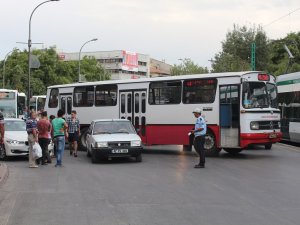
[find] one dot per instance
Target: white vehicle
(37, 103)
(240, 108)
(12, 103)
(289, 103)
(112, 138)
(16, 139)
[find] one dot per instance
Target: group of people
(57, 129)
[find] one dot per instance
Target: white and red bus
(37, 103)
(240, 108)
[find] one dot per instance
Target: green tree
(52, 71)
(236, 50)
(187, 67)
(279, 61)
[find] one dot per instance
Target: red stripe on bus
(259, 138)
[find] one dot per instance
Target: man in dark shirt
(44, 127)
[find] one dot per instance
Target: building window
(199, 91)
(53, 98)
(165, 92)
(84, 96)
(106, 95)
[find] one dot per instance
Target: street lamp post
(29, 48)
(94, 39)
(5, 58)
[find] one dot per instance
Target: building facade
(124, 64)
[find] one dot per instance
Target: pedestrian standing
(2, 129)
(199, 140)
(31, 127)
(74, 132)
(52, 117)
(59, 127)
(44, 127)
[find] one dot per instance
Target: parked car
(109, 138)
(15, 139)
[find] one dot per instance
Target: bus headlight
(279, 125)
(135, 143)
(101, 144)
(254, 125)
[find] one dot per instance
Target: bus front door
(229, 116)
(133, 108)
(66, 104)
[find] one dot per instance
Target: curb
(3, 173)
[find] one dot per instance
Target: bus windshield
(255, 95)
(8, 108)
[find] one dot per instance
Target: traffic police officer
(199, 133)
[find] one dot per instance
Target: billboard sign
(130, 61)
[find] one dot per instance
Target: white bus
(289, 103)
(240, 107)
(37, 103)
(12, 103)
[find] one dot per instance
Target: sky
(164, 29)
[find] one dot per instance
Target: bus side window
(53, 98)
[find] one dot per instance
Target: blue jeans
(60, 147)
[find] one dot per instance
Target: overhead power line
(274, 21)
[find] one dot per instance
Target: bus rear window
(199, 91)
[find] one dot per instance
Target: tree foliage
(187, 67)
(236, 50)
(51, 72)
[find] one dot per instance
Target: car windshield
(11, 125)
(255, 95)
(112, 127)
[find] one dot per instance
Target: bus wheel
(268, 146)
(82, 140)
(210, 145)
(232, 151)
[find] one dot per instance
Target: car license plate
(273, 136)
(119, 151)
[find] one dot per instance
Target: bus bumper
(259, 138)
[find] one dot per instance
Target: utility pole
(253, 56)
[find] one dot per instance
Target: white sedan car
(109, 138)
(15, 139)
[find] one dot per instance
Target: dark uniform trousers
(199, 147)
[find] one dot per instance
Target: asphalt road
(257, 187)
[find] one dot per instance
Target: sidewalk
(3, 173)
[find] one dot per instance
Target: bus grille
(269, 125)
(118, 144)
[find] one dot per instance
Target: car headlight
(101, 144)
(254, 125)
(135, 143)
(12, 142)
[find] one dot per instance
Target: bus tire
(82, 140)
(232, 151)
(268, 146)
(210, 145)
